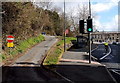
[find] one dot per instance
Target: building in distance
(109, 37)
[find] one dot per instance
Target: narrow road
(34, 55)
(27, 68)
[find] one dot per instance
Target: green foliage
(24, 45)
(23, 20)
(2, 57)
(56, 52)
(25, 23)
(55, 21)
(29, 42)
(68, 39)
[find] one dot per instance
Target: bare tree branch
(45, 5)
(83, 11)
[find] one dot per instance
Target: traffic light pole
(89, 34)
(89, 29)
(89, 47)
(89, 8)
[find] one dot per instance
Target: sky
(106, 12)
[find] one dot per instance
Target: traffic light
(89, 25)
(81, 26)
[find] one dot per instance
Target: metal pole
(10, 52)
(89, 47)
(64, 28)
(89, 35)
(89, 8)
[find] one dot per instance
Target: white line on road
(106, 54)
(116, 72)
(64, 77)
(92, 55)
(94, 49)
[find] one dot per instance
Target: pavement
(79, 54)
(74, 66)
(78, 57)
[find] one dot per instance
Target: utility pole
(64, 28)
(89, 9)
(89, 34)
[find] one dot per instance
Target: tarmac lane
(82, 72)
(112, 62)
(28, 68)
(113, 59)
(75, 67)
(22, 74)
(99, 52)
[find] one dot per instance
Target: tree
(83, 11)
(57, 9)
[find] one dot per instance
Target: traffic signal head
(81, 26)
(89, 25)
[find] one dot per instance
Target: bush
(2, 57)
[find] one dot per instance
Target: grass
(56, 52)
(28, 43)
(2, 56)
(22, 47)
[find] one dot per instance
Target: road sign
(10, 38)
(10, 44)
(66, 31)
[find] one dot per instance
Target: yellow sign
(106, 44)
(10, 44)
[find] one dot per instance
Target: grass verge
(56, 51)
(21, 47)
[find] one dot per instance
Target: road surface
(112, 61)
(100, 52)
(74, 67)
